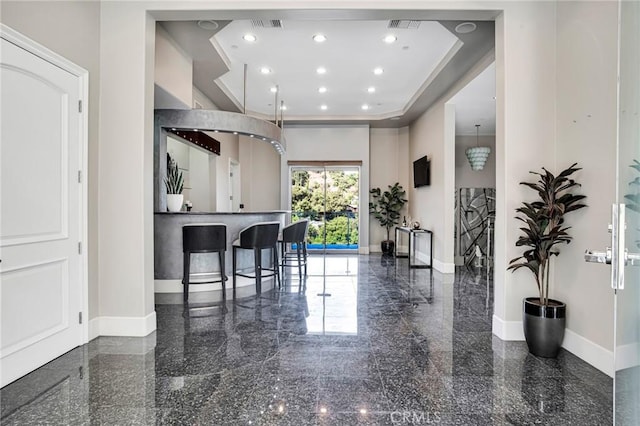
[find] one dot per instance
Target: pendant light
(477, 155)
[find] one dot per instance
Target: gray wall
(467, 178)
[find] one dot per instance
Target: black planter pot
(387, 247)
(544, 326)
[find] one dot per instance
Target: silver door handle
(617, 256)
(631, 259)
(598, 256)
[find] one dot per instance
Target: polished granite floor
(368, 341)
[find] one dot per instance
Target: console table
(414, 234)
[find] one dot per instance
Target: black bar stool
(203, 238)
(257, 237)
(296, 233)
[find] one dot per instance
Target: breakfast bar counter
(168, 243)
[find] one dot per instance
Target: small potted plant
(174, 184)
(543, 231)
(386, 208)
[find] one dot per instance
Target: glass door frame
(626, 281)
(327, 166)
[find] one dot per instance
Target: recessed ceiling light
(195, 130)
(249, 37)
(322, 89)
(283, 107)
(215, 131)
(365, 107)
(235, 133)
(321, 70)
(251, 136)
(378, 71)
(174, 129)
(371, 89)
(264, 139)
(273, 89)
(465, 28)
(265, 70)
(390, 39)
(208, 25)
(323, 107)
(319, 38)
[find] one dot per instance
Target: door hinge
(80, 247)
(231, 197)
(79, 176)
(79, 106)
(79, 317)
(231, 174)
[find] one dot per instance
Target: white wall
(173, 67)
(433, 135)
(126, 169)
(260, 177)
(467, 178)
(330, 143)
(525, 139)
(586, 126)
(71, 29)
(202, 100)
(388, 159)
(229, 149)
(200, 192)
(426, 137)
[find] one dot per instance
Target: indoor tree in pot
(386, 208)
(174, 184)
(544, 318)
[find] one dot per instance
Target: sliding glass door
(328, 196)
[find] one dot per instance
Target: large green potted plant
(174, 184)
(542, 233)
(385, 206)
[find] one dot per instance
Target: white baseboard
(445, 268)
(507, 330)
(588, 351)
(94, 328)
(175, 286)
(627, 356)
(585, 349)
(122, 326)
(363, 250)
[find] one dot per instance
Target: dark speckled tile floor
(384, 345)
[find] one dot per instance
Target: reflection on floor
(367, 342)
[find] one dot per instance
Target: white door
(41, 274)
(235, 198)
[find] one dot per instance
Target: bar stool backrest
(260, 235)
(204, 237)
(296, 232)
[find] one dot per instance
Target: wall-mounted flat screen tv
(421, 172)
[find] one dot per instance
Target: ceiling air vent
(266, 23)
(404, 24)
